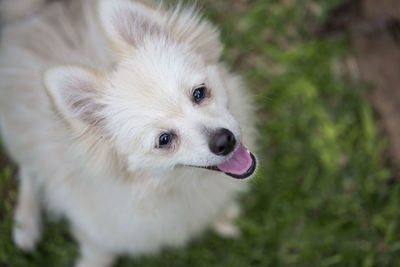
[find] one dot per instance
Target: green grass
(323, 196)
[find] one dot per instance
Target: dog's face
(165, 103)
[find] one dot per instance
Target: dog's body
(86, 148)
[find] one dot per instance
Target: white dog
(123, 121)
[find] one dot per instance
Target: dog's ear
(128, 23)
(76, 93)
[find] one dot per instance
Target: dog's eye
(165, 140)
(199, 93)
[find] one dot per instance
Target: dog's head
(166, 101)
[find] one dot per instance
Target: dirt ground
(374, 27)
(378, 56)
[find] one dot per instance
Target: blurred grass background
(324, 195)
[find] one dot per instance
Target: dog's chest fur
(143, 216)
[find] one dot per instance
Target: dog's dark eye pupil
(199, 94)
(165, 139)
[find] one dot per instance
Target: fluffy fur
(86, 88)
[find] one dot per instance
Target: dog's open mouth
(241, 165)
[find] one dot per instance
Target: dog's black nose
(222, 142)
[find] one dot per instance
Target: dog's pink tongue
(239, 163)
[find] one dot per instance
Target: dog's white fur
(116, 77)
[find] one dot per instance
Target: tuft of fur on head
(126, 24)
